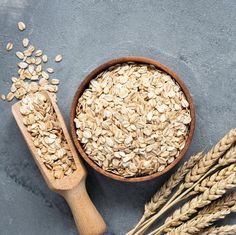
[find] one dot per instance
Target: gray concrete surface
(194, 38)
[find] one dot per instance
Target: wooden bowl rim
(84, 84)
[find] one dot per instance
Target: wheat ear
(195, 225)
(222, 230)
(204, 166)
(191, 207)
(228, 200)
(216, 177)
(199, 171)
(209, 159)
(228, 158)
(209, 214)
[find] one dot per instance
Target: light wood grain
(72, 187)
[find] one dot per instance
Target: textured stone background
(194, 38)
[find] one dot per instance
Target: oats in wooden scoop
(42, 123)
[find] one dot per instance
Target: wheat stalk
(191, 207)
(205, 164)
(198, 172)
(216, 177)
(209, 214)
(226, 159)
(222, 230)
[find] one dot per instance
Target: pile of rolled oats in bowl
(133, 120)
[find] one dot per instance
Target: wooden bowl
(85, 84)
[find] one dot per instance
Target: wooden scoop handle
(87, 218)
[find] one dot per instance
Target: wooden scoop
(71, 187)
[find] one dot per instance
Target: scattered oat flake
(20, 55)
(27, 52)
(30, 75)
(10, 96)
(58, 58)
(45, 75)
(38, 53)
(13, 79)
(22, 65)
(50, 70)
(3, 97)
(9, 46)
(38, 68)
(25, 42)
(31, 69)
(55, 81)
(44, 58)
(31, 48)
(21, 26)
(38, 61)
